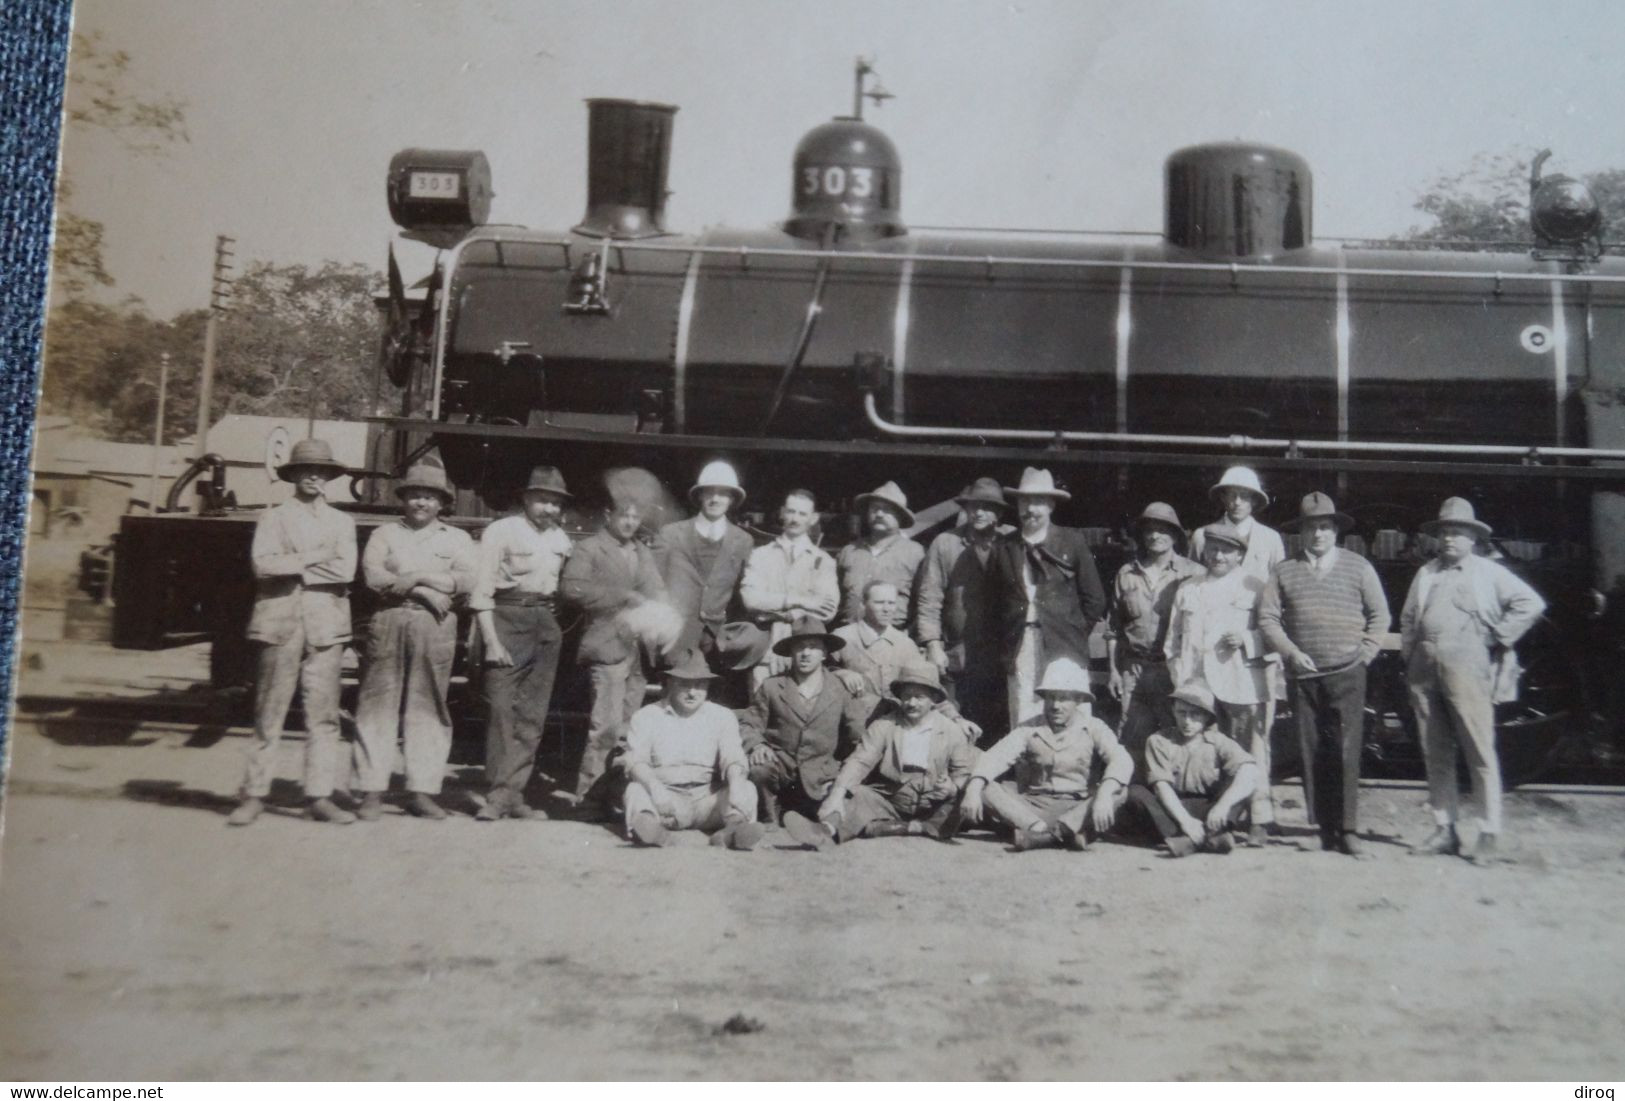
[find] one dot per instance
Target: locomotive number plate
(434, 185)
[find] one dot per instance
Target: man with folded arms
(686, 766)
(1053, 757)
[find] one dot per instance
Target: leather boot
(496, 806)
(1443, 841)
(325, 810)
(887, 829)
(372, 806)
(246, 811)
(424, 806)
(1029, 839)
(1483, 848)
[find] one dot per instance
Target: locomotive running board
(1055, 451)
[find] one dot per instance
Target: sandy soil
(142, 939)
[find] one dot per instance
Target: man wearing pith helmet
(1462, 616)
(418, 566)
(1240, 498)
(515, 602)
(883, 554)
(1142, 602)
(304, 558)
(1054, 801)
(1325, 613)
(702, 558)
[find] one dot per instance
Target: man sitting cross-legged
(800, 724)
(1199, 780)
(920, 759)
(1053, 757)
(686, 765)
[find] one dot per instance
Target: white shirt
(1027, 581)
(914, 746)
(1324, 563)
(711, 530)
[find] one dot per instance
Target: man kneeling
(921, 760)
(1200, 781)
(1053, 758)
(686, 765)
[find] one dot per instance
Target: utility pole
(219, 303)
(158, 430)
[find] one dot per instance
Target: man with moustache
(1324, 612)
(417, 566)
(789, 578)
(955, 620)
(1045, 590)
(701, 559)
(883, 554)
(304, 558)
(515, 604)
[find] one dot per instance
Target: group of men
(957, 665)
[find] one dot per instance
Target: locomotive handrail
(744, 254)
(1233, 443)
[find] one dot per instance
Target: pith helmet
(1318, 506)
(718, 475)
(311, 452)
(1241, 477)
(424, 476)
(1225, 532)
(1457, 510)
(888, 494)
(1066, 675)
(1037, 483)
(807, 626)
(983, 491)
(1159, 513)
(548, 478)
(1196, 694)
(690, 665)
(920, 673)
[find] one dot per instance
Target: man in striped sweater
(1324, 611)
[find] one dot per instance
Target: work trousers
(867, 805)
(699, 809)
(315, 670)
(617, 693)
(403, 697)
(1163, 823)
(1246, 724)
(1147, 708)
(779, 788)
(1450, 693)
(1024, 810)
(1022, 686)
(1330, 712)
(978, 690)
(517, 696)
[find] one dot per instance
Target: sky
(1017, 113)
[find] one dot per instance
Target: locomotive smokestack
(1238, 201)
(628, 154)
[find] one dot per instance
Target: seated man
(1200, 781)
(921, 760)
(800, 724)
(1053, 756)
(686, 765)
(874, 648)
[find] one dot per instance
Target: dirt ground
(141, 939)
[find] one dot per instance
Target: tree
(1488, 202)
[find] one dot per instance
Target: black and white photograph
(896, 541)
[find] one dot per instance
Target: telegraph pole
(219, 303)
(158, 430)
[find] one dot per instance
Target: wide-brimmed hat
(1318, 506)
(548, 478)
(1037, 483)
(807, 626)
(311, 452)
(1159, 513)
(1241, 477)
(690, 665)
(983, 491)
(741, 645)
(1196, 694)
(718, 475)
(424, 476)
(1224, 532)
(920, 673)
(890, 494)
(1457, 510)
(1066, 675)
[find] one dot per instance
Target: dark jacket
(815, 734)
(954, 603)
(708, 600)
(1069, 595)
(598, 580)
